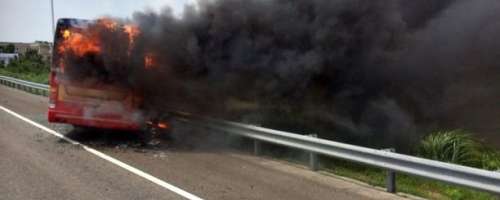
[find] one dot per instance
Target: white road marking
(115, 161)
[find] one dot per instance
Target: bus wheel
(84, 129)
(152, 136)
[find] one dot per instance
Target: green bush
(29, 66)
(459, 147)
(455, 146)
(489, 159)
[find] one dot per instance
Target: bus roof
(73, 22)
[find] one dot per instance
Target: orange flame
(108, 23)
(66, 34)
(86, 41)
(149, 61)
(162, 125)
(79, 43)
(133, 32)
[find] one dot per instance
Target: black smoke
(378, 73)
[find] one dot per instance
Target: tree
(10, 48)
(32, 54)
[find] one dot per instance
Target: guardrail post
(257, 147)
(313, 157)
(391, 176)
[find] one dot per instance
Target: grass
(459, 147)
(456, 146)
(408, 184)
(30, 67)
(405, 183)
(489, 159)
(38, 77)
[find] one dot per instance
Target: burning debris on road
(386, 70)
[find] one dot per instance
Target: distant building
(43, 48)
(6, 58)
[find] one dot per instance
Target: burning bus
(82, 92)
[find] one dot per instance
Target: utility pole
(53, 29)
(52, 12)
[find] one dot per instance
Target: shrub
(29, 66)
(490, 159)
(455, 146)
(459, 147)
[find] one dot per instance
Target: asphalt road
(37, 165)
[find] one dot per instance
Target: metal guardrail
(31, 87)
(451, 173)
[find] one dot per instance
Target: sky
(30, 20)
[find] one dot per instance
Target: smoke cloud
(378, 73)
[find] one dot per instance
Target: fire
(149, 61)
(108, 23)
(66, 34)
(78, 43)
(84, 41)
(162, 125)
(133, 32)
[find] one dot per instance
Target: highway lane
(208, 171)
(36, 165)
